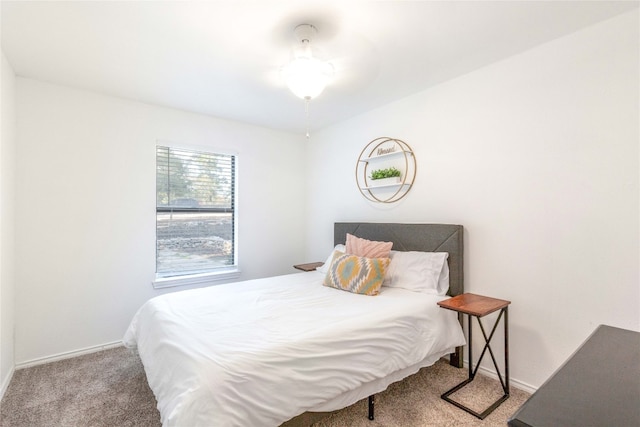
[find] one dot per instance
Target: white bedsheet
(260, 352)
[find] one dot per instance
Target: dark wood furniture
(310, 266)
(599, 385)
(479, 306)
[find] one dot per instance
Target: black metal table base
(481, 415)
(472, 372)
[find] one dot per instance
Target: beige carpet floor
(109, 389)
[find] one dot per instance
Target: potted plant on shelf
(387, 176)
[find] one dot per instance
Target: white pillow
(426, 272)
(325, 267)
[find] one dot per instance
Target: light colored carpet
(109, 389)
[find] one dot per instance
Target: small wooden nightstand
(310, 266)
(479, 306)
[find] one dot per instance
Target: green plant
(385, 173)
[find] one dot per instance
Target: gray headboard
(414, 237)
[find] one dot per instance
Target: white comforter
(260, 352)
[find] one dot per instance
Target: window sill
(196, 279)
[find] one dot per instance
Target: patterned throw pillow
(356, 274)
(367, 248)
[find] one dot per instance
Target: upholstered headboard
(414, 237)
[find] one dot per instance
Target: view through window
(195, 205)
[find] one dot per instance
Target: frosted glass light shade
(307, 76)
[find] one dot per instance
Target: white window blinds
(195, 206)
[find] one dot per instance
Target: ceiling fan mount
(304, 33)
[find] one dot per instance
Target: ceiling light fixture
(305, 75)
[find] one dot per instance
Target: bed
(277, 350)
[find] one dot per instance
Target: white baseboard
(67, 355)
(512, 382)
(5, 383)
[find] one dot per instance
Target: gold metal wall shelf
(382, 153)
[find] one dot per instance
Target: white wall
(7, 182)
(537, 156)
(85, 210)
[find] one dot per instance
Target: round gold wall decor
(379, 156)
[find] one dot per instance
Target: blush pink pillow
(367, 248)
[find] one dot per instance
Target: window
(195, 213)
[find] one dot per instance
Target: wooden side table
(310, 266)
(479, 306)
